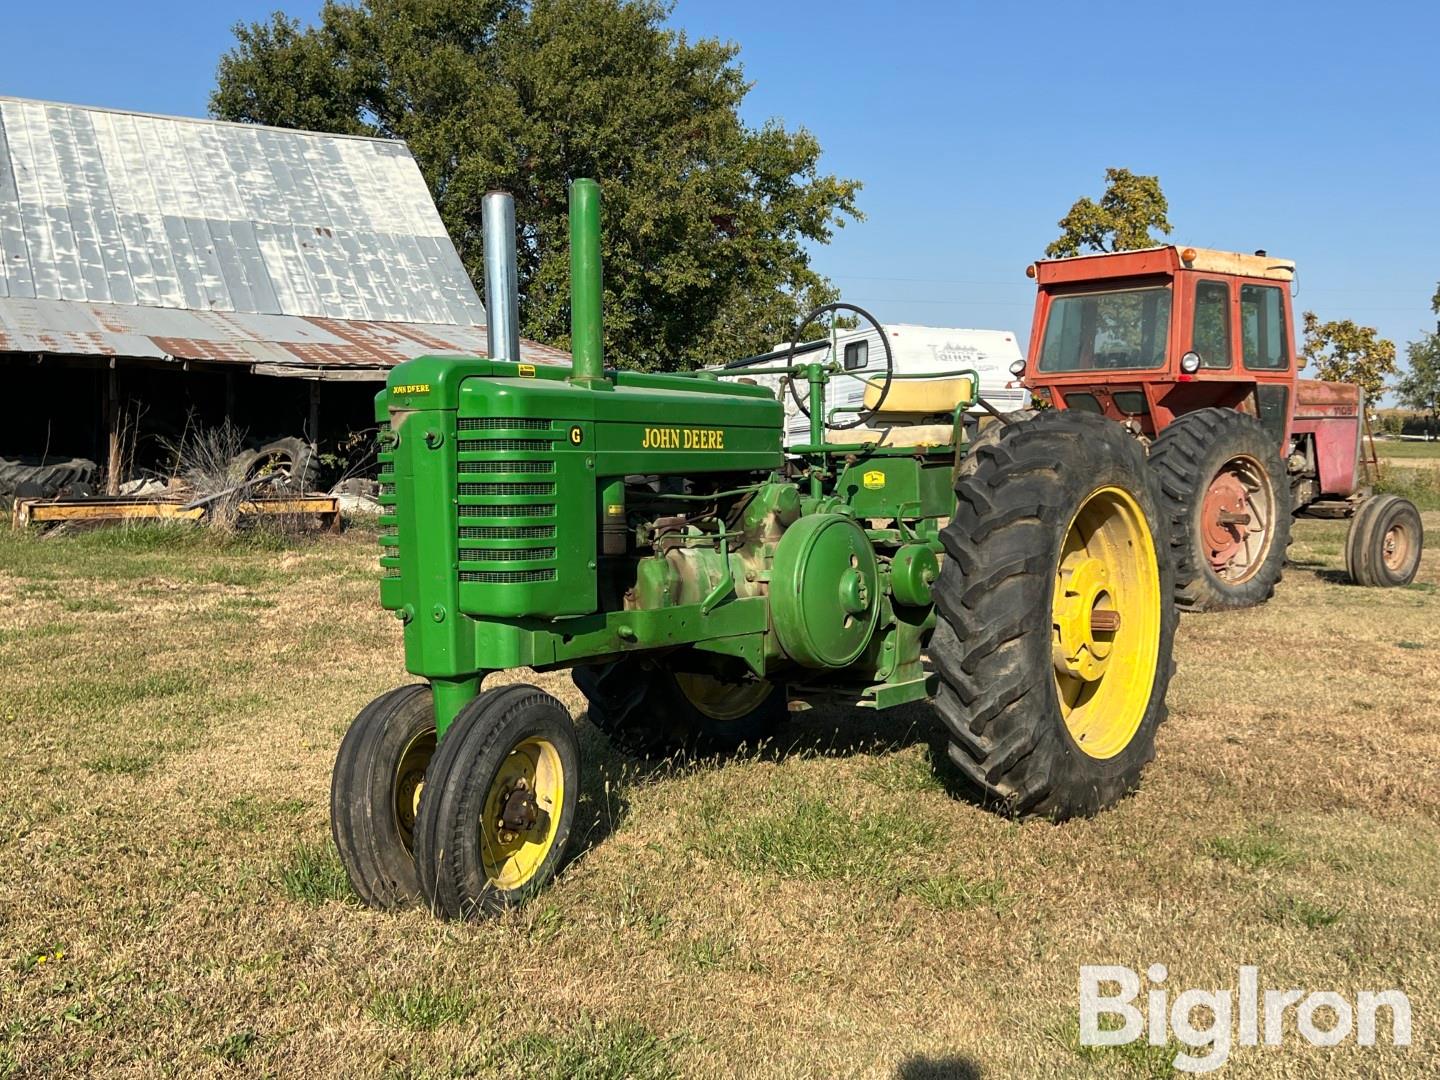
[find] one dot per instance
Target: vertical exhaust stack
(502, 282)
(587, 342)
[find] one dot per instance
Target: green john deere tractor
(649, 533)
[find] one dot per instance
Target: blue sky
(1306, 129)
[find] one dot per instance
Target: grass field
(1411, 469)
(170, 903)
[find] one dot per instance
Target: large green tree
(706, 220)
(1131, 206)
(1343, 351)
(1419, 388)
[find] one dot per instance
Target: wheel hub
(1084, 617)
(1225, 519)
(1395, 547)
(519, 813)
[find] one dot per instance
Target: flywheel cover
(824, 591)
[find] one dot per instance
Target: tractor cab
(1193, 350)
(1145, 336)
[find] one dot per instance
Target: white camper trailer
(915, 349)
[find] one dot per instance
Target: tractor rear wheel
(1382, 548)
(1054, 630)
(374, 792)
(1226, 498)
(650, 711)
(498, 803)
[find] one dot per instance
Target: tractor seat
(916, 412)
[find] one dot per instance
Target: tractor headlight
(1190, 362)
(1017, 368)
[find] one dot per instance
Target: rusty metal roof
(271, 344)
(124, 234)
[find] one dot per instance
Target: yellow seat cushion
(917, 399)
(901, 435)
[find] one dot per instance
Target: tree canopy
(706, 220)
(1419, 388)
(1343, 351)
(1131, 206)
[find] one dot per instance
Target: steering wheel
(863, 417)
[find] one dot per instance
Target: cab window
(1262, 326)
(1117, 328)
(1211, 338)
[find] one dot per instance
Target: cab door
(1267, 353)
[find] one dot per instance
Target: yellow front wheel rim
(410, 782)
(521, 813)
(1105, 618)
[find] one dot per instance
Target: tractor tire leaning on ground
(43, 481)
(1202, 459)
(373, 793)
(1383, 546)
(1052, 711)
(293, 458)
(498, 804)
(649, 711)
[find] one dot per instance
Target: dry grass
(170, 904)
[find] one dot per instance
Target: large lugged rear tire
(1054, 632)
(1383, 546)
(43, 480)
(649, 711)
(1217, 466)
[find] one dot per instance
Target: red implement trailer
(1194, 351)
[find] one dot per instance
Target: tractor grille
(507, 489)
(389, 526)
(507, 466)
(528, 510)
(502, 423)
(503, 515)
(504, 532)
(507, 577)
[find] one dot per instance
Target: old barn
(159, 272)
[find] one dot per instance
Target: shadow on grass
(951, 1067)
(830, 730)
(1320, 570)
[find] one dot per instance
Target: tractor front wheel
(498, 804)
(1055, 628)
(1226, 499)
(375, 790)
(1382, 548)
(651, 711)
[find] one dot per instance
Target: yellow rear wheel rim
(512, 857)
(1105, 618)
(721, 700)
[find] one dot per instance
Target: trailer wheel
(649, 711)
(1054, 627)
(1382, 548)
(1226, 497)
(375, 790)
(498, 803)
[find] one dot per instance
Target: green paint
(587, 338)
(510, 537)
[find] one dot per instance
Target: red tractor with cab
(1194, 351)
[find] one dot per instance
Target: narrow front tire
(499, 803)
(374, 791)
